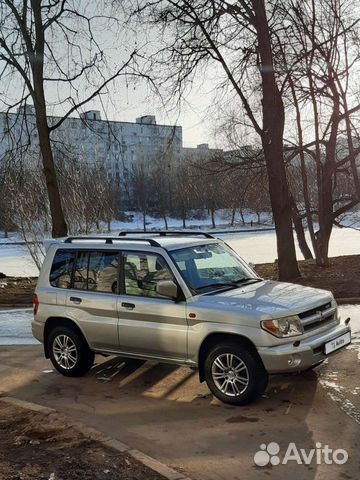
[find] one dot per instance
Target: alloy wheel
(65, 352)
(230, 374)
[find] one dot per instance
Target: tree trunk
(144, 221)
(258, 217)
(166, 222)
(242, 216)
(300, 233)
(304, 177)
(327, 170)
(213, 218)
(59, 227)
(272, 142)
(233, 217)
(325, 216)
(109, 226)
(184, 219)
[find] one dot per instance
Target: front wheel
(235, 373)
(69, 352)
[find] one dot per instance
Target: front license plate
(337, 343)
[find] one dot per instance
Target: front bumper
(288, 358)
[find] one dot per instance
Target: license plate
(337, 343)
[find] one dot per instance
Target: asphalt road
(165, 412)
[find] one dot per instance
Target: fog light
(294, 361)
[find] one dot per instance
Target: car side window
(142, 272)
(96, 271)
(61, 269)
(80, 271)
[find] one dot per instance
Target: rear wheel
(69, 352)
(235, 373)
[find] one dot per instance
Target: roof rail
(110, 240)
(165, 233)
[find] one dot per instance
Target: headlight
(283, 327)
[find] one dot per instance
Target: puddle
(338, 384)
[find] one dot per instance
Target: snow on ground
(260, 247)
(15, 261)
(256, 246)
(15, 327)
(222, 219)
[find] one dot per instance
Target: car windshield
(211, 267)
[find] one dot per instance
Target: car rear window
(61, 270)
(85, 270)
(96, 271)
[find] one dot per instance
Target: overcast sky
(123, 103)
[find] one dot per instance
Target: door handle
(127, 305)
(76, 300)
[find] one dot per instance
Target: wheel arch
(53, 322)
(216, 338)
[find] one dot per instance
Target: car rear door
(148, 323)
(92, 298)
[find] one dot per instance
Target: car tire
(69, 352)
(235, 373)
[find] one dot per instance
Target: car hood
(268, 298)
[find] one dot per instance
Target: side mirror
(167, 288)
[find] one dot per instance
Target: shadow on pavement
(164, 411)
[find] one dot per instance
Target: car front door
(149, 324)
(92, 299)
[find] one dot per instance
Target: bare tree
(141, 186)
(321, 55)
(185, 191)
(235, 39)
(162, 168)
(53, 46)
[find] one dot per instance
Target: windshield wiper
(229, 285)
(220, 285)
(248, 279)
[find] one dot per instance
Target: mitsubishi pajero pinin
(182, 298)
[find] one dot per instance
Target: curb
(96, 435)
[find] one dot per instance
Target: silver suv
(187, 299)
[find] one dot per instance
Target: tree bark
(300, 233)
(166, 222)
(144, 220)
(233, 212)
(304, 178)
(59, 227)
(184, 220)
(272, 142)
(213, 218)
(242, 217)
